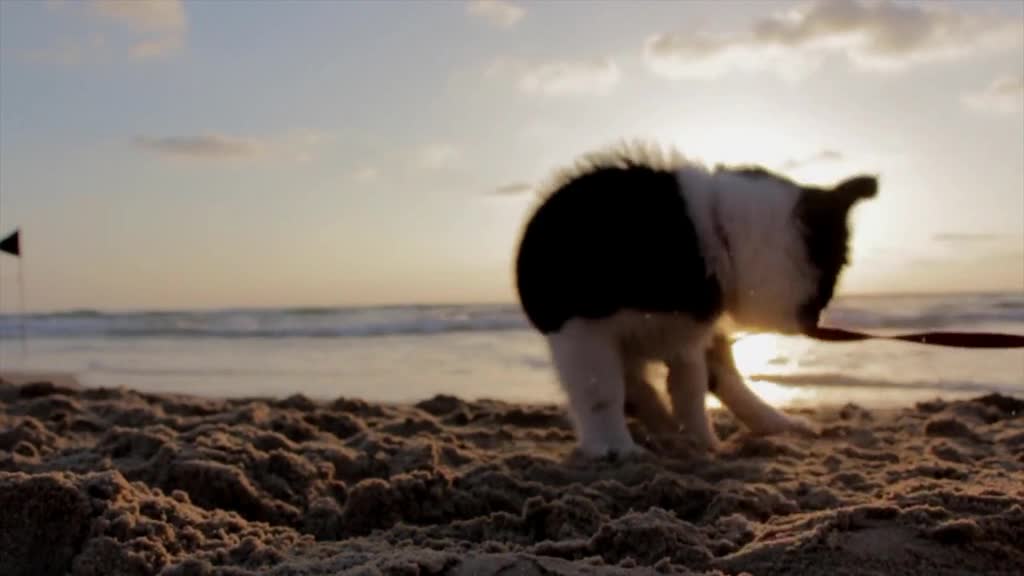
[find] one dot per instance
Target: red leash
(952, 339)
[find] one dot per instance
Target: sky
(202, 154)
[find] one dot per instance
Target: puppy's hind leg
(688, 387)
(728, 385)
(646, 404)
(589, 366)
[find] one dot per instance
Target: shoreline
(115, 481)
(21, 377)
(792, 392)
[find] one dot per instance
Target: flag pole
(11, 244)
(21, 303)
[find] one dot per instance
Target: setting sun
(756, 354)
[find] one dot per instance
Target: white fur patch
(763, 264)
(698, 189)
(591, 357)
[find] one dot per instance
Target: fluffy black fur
(610, 239)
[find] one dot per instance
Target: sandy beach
(112, 481)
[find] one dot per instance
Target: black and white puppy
(632, 260)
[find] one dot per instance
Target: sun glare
(733, 142)
(754, 353)
(760, 354)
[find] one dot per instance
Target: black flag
(12, 244)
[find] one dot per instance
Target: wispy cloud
(825, 155)
(569, 77)
(366, 174)
(882, 34)
(1004, 95)
(142, 29)
(145, 14)
(437, 156)
(513, 189)
(160, 24)
(295, 146)
(500, 13)
(205, 146)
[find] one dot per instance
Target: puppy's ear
(852, 190)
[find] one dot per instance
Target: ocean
(396, 354)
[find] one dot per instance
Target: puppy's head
(822, 218)
(787, 245)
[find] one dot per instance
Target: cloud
(880, 34)
(570, 77)
(206, 146)
(296, 146)
(439, 156)
(513, 189)
(366, 174)
(498, 12)
(154, 48)
(159, 15)
(825, 155)
(160, 24)
(1004, 95)
(143, 29)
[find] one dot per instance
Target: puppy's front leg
(728, 385)
(688, 386)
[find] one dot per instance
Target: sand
(114, 481)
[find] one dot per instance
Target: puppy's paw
(781, 423)
(620, 451)
(704, 441)
(711, 445)
(802, 426)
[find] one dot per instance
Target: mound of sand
(113, 481)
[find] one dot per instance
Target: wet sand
(114, 481)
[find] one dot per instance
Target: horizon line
(467, 303)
